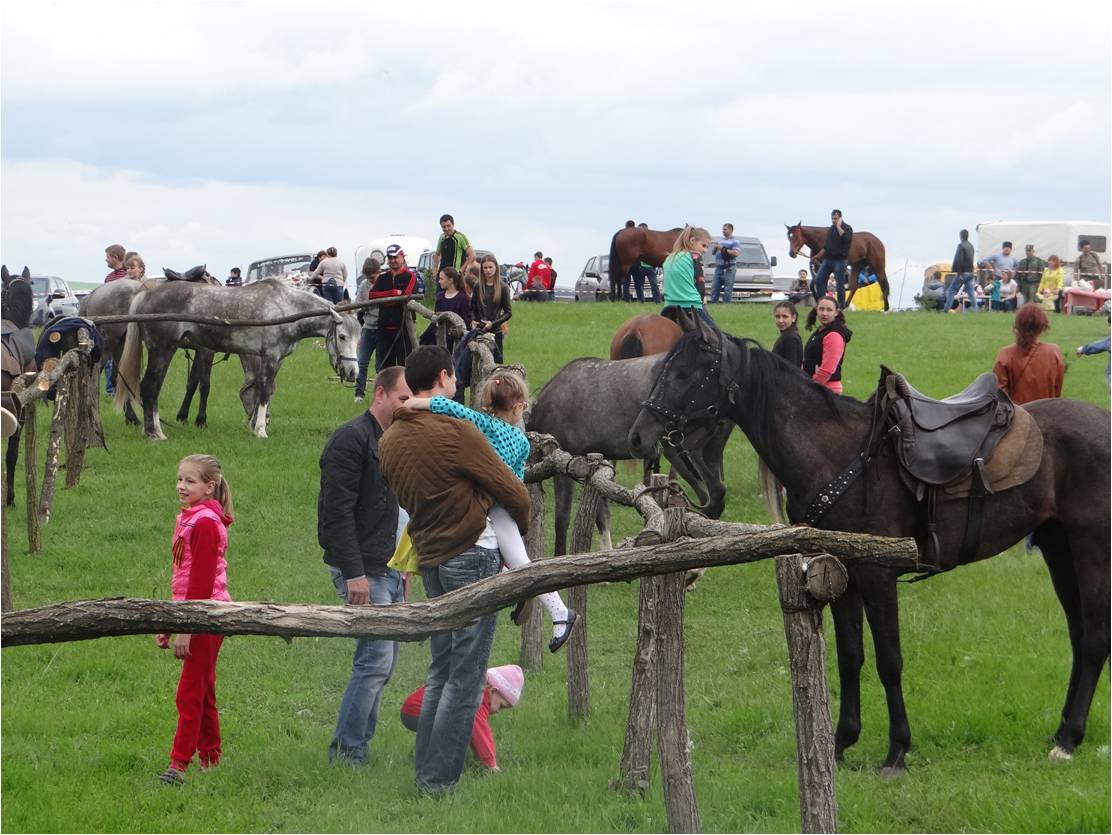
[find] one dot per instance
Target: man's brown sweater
(447, 476)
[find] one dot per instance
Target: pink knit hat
(508, 681)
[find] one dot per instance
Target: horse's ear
(4, 274)
(800, 224)
(26, 274)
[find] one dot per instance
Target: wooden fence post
(59, 427)
(5, 569)
(673, 740)
(814, 737)
(532, 640)
(34, 533)
(579, 686)
(633, 770)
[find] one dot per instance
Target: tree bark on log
(531, 654)
(482, 364)
(30, 453)
(583, 530)
(119, 319)
(814, 736)
(84, 620)
(54, 448)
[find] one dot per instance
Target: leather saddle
(682, 316)
(939, 442)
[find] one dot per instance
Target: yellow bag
(405, 556)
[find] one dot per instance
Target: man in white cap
(398, 280)
(503, 689)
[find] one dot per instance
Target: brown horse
(643, 335)
(865, 249)
(634, 244)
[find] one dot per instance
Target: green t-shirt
(679, 281)
(457, 248)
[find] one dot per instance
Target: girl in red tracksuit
(199, 573)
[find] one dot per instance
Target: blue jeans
(109, 376)
(457, 675)
(955, 284)
(368, 339)
(723, 282)
(837, 266)
(371, 669)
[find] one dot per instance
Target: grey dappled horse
(261, 349)
(590, 405)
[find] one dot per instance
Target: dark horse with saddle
(968, 477)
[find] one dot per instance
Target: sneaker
(358, 398)
(172, 777)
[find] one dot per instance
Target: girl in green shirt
(679, 270)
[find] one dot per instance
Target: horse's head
(17, 299)
(796, 241)
(342, 342)
(686, 402)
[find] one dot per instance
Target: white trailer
(1050, 237)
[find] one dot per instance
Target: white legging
(512, 547)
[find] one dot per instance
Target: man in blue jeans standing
(835, 253)
(726, 252)
(357, 522)
(962, 268)
(447, 476)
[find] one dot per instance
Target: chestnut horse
(633, 244)
(865, 249)
(643, 335)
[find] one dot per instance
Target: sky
(226, 132)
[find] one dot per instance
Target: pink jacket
(202, 572)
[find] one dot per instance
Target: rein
(330, 339)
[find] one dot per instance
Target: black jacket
(790, 348)
(486, 308)
(357, 512)
(837, 246)
(963, 258)
(812, 351)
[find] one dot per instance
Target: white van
(1050, 237)
(413, 246)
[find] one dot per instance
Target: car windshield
(749, 255)
(38, 285)
(278, 267)
(604, 264)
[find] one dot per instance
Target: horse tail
(631, 346)
(771, 488)
(877, 262)
(615, 259)
(131, 359)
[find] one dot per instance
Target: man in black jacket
(834, 254)
(357, 525)
(962, 268)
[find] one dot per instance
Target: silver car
(53, 297)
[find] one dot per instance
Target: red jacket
(116, 275)
(482, 740)
(540, 271)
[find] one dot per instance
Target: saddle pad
(1015, 461)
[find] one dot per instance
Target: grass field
(86, 727)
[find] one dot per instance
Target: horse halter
(332, 343)
(675, 423)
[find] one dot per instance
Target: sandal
(172, 777)
(555, 644)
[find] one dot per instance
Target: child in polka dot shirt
(505, 396)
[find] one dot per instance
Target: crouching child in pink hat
(503, 689)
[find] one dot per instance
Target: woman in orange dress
(1030, 369)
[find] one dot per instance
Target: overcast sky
(224, 132)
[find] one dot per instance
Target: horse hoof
(1058, 754)
(892, 772)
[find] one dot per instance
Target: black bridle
(332, 343)
(675, 422)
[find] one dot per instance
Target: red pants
(198, 721)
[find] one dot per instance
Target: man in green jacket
(452, 248)
(1028, 273)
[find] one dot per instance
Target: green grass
(87, 726)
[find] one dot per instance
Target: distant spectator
(471, 277)
(1089, 267)
(491, 307)
(1001, 264)
(450, 298)
(726, 251)
(114, 258)
(826, 349)
(1028, 271)
(235, 278)
(800, 288)
(452, 247)
(551, 276)
(1008, 292)
(134, 266)
(538, 279)
(399, 280)
(962, 268)
(368, 317)
(1050, 286)
(835, 254)
(332, 273)
(320, 256)
(788, 345)
(1030, 369)
(1100, 346)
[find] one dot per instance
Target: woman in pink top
(825, 350)
(200, 572)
